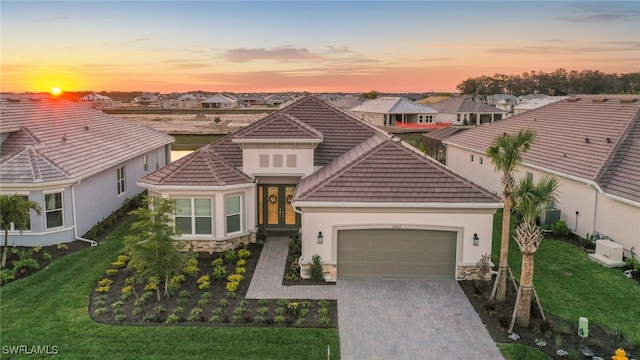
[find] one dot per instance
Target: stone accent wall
(212, 246)
(330, 272)
(472, 273)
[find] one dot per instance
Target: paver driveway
(409, 319)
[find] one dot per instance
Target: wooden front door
(274, 207)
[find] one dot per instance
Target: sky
(316, 46)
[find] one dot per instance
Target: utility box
(549, 216)
(608, 253)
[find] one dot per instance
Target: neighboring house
(252, 100)
(276, 100)
(78, 164)
(464, 111)
(346, 102)
(367, 203)
(147, 99)
(504, 102)
(219, 101)
(591, 143)
(433, 142)
(529, 104)
(394, 111)
(96, 101)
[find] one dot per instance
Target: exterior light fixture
(476, 239)
(320, 237)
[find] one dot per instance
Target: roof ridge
(608, 160)
(33, 163)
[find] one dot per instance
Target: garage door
(367, 253)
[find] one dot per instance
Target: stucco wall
(329, 221)
(370, 118)
(620, 222)
(447, 118)
(304, 160)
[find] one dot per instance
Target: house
(79, 164)
(591, 143)
(464, 111)
(433, 142)
(96, 101)
(527, 104)
(366, 202)
(394, 111)
(504, 102)
(219, 101)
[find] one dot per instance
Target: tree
(372, 95)
(151, 246)
(530, 199)
(506, 154)
(15, 209)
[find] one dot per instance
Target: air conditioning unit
(608, 253)
(549, 216)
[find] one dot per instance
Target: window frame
(47, 211)
(193, 216)
(227, 215)
(121, 180)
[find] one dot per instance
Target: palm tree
(530, 199)
(506, 154)
(14, 209)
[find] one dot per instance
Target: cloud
(281, 54)
(437, 59)
(594, 13)
(619, 46)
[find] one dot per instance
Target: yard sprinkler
(583, 332)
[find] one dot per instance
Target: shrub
(117, 304)
(262, 311)
(214, 319)
(560, 228)
(111, 272)
(105, 282)
(126, 296)
(206, 295)
(282, 302)
(239, 310)
(243, 303)
(130, 280)
(236, 318)
(172, 319)
(127, 289)
(159, 309)
(217, 262)
(46, 256)
(203, 302)
(241, 270)
(241, 263)
(323, 303)
(305, 304)
(220, 271)
(278, 319)
(182, 301)
(244, 253)
(325, 321)
(223, 302)
(152, 283)
(315, 269)
(178, 310)
(100, 311)
(136, 311)
(118, 264)
(258, 319)
(232, 286)
(304, 312)
(230, 256)
(632, 263)
(184, 294)
(120, 317)
(231, 295)
(263, 302)
(98, 303)
(301, 321)
(191, 268)
(293, 307)
(235, 277)
(205, 282)
(323, 311)
(216, 311)
(175, 281)
(280, 311)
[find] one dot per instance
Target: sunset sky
(320, 46)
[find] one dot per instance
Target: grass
(571, 286)
(522, 352)
(193, 142)
(50, 308)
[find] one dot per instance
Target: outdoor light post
(320, 237)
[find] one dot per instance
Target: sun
(56, 91)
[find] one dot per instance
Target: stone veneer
(473, 272)
(330, 272)
(212, 246)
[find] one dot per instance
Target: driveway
(409, 319)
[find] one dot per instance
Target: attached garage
(408, 253)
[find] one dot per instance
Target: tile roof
(443, 133)
(53, 139)
(593, 137)
(383, 170)
(341, 131)
(219, 98)
(393, 105)
(463, 105)
(200, 168)
(282, 126)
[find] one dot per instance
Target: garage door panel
(396, 253)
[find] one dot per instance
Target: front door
(274, 207)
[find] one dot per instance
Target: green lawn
(49, 308)
(571, 286)
(193, 142)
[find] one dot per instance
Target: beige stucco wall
(251, 159)
(370, 118)
(448, 118)
(596, 211)
(465, 222)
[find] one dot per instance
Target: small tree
(151, 245)
(529, 199)
(14, 209)
(315, 269)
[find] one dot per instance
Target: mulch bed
(187, 307)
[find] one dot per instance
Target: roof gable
(464, 105)
(283, 126)
(393, 105)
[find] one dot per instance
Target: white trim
(48, 232)
(61, 209)
(240, 214)
(277, 141)
(161, 188)
(328, 204)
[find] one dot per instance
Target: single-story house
(465, 111)
(366, 202)
(78, 164)
(219, 101)
(97, 101)
(527, 104)
(433, 142)
(591, 143)
(394, 110)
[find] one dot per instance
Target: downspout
(295, 209)
(75, 221)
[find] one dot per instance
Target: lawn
(571, 286)
(49, 308)
(193, 142)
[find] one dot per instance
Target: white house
(527, 104)
(79, 164)
(464, 111)
(97, 101)
(367, 203)
(591, 143)
(219, 101)
(394, 111)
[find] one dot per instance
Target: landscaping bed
(192, 303)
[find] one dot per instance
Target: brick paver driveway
(409, 319)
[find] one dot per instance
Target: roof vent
(64, 138)
(13, 100)
(86, 127)
(573, 99)
(608, 140)
(35, 99)
(627, 100)
(564, 154)
(600, 100)
(586, 140)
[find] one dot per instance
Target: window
(194, 216)
(292, 160)
(277, 160)
(53, 210)
(264, 160)
(27, 225)
(458, 117)
(146, 163)
(121, 180)
(471, 157)
(481, 161)
(233, 214)
(420, 118)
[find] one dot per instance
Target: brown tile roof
(593, 137)
(65, 138)
(200, 168)
(463, 105)
(282, 126)
(441, 134)
(383, 170)
(341, 131)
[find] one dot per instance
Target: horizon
(314, 46)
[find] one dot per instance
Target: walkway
(266, 282)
